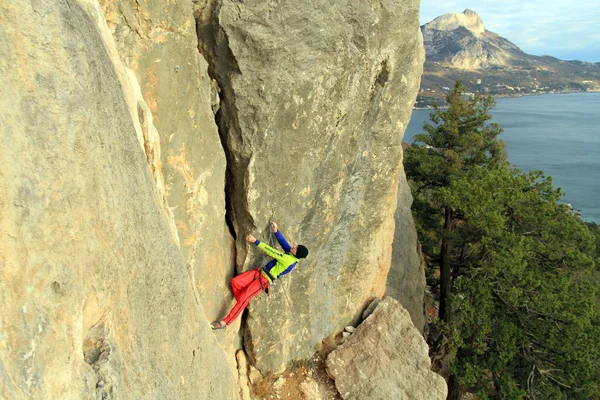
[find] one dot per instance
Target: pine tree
(459, 139)
(519, 289)
(524, 308)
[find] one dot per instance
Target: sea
(556, 133)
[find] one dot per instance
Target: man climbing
(248, 284)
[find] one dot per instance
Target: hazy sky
(565, 29)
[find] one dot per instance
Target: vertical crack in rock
(213, 45)
(98, 352)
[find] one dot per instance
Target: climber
(248, 284)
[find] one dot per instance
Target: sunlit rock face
(315, 99)
(97, 297)
(468, 19)
(141, 141)
(461, 41)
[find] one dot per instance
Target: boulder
(385, 358)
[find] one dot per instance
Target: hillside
(459, 47)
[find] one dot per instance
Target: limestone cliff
(451, 21)
(97, 296)
(315, 98)
(141, 141)
(462, 41)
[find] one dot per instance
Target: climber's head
(300, 251)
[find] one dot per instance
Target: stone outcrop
(97, 300)
(461, 41)
(315, 97)
(385, 358)
(406, 280)
(158, 42)
(451, 21)
(141, 141)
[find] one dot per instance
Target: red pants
(245, 286)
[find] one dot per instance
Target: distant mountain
(459, 47)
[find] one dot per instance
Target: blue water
(556, 133)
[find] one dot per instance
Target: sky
(565, 29)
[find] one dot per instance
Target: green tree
(524, 308)
(459, 139)
(518, 294)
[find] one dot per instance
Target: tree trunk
(454, 392)
(445, 270)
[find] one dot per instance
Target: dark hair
(301, 251)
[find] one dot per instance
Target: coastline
(555, 134)
(507, 96)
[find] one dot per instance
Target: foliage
(460, 138)
(522, 299)
(523, 308)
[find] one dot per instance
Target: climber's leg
(255, 287)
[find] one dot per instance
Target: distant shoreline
(522, 95)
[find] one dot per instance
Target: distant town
(428, 95)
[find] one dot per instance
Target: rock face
(451, 21)
(141, 141)
(315, 98)
(406, 280)
(97, 300)
(158, 42)
(462, 41)
(385, 358)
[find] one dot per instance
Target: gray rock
(406, 280)
(370, 308)
(88, 243)
(386, 358)
(315, 98)
(254, 375)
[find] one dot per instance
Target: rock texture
(97, 301)
(141, 141)
(406, 280)
(158, 41)
(385, 358)
(451, 21)
(462, 41)
(315, 97)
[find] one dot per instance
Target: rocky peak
(448, 22)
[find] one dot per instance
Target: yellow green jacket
(282, 262)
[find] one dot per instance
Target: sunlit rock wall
(97, 297)
(315, 97)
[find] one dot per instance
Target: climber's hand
(274, 226)
(251, 239)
